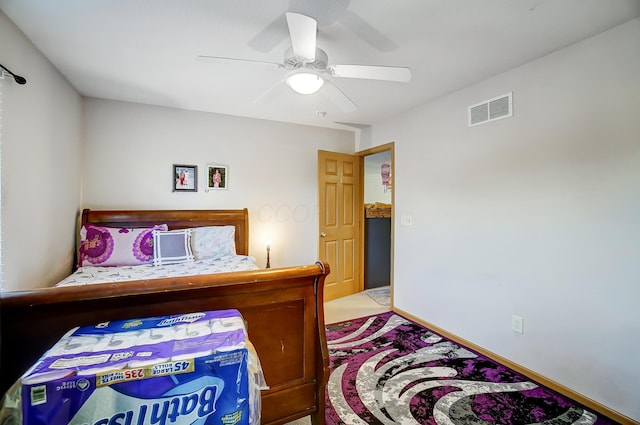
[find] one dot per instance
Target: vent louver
(491, 110)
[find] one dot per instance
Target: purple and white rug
(388, 370)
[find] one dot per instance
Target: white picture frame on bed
(217, 177)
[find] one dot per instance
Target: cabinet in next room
(377, 267)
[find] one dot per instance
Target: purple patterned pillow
(114, 246)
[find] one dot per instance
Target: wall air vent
(491, 110)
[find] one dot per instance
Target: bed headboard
(175, 219)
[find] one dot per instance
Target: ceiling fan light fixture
(305, 82)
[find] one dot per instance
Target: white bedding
(91, 274)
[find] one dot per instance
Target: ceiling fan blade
(366, 32)
(267, 39)
(371, 72)
(302, 30)
(271, 94)
(221, 58)
(337, 97)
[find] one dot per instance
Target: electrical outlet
(517, 323)
(406, 220)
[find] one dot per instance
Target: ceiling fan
(307, 66)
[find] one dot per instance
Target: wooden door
(339, 227)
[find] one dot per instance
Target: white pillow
(172, 247)
(213, 241)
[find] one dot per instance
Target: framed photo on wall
(217, 177)
(185, 178)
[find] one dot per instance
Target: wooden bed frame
(283, 309)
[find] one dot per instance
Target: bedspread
(91, 274)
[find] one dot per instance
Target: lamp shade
(305, 82)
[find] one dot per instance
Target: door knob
(323, 235)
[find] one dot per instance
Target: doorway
(377, 183)
(343, 236)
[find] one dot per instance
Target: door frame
(387, 147)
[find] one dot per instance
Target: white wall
(374, 191)
(130, 150)
(41, 148)
(536, 215)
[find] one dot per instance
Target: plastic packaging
(197, 367)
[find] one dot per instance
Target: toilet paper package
(196, 368)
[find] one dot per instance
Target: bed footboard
(283, 309)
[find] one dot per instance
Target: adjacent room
(468, 171)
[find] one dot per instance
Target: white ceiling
(146, 50)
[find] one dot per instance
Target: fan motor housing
(291, 61)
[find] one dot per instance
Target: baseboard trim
(567, 392)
